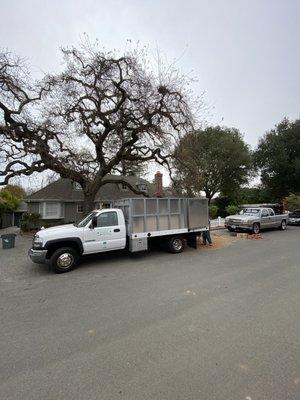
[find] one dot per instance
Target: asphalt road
(220, 324)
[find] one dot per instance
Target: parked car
(294, 217)
(256, 218)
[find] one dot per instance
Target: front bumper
(240, 226)
(37, 256)
(293, 221)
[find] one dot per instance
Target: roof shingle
(63, 190)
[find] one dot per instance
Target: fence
(217, 223)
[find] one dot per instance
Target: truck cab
(101, 231)
(104, 231)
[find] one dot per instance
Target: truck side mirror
(94, 222)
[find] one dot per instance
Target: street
(200, 325)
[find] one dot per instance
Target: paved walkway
(11, 229)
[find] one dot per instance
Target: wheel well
(283, 221)
(58, 245)
(168, 238)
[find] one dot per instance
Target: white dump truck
(131, 224)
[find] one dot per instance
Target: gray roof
(63, 190)
(22, 207)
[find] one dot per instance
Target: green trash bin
(8, 240)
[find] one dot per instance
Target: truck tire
(175, 244)
(230, 229)
(64, 259)
(283, 225)
(256, 228)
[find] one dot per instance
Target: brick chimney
(158, 177)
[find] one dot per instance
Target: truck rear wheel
(175, 244)
(256, 228)
(64, 259)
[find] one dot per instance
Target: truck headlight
(37, 242)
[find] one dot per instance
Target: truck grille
(234, 221)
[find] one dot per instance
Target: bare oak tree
(99, 113)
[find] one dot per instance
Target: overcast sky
(245, 54)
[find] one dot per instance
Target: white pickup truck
(256, 218)
(131, 224)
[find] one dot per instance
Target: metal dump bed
(160, 215)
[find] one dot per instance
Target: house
(62, 201)
(13, 218)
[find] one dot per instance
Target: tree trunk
(208, 196)
(88, 203)
(189, 192)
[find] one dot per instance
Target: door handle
(117, 230)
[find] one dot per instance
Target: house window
(104, 205)
(77, 186)
(142, 187)
(124, 186)
(51, 210)
(80, 208)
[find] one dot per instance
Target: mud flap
(192, 240)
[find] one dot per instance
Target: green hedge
(29, 221)
(213, 212)
(232, 209)
(293, 202)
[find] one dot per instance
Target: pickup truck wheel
(175, 244)
(64, 259)
(256, 228)
(230, 229)
(283, 225)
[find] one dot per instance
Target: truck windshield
(250, 211)
(86, 220)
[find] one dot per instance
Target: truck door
(109, 234)
(273, 219)
(265, 218)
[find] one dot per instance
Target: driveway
(204, 324)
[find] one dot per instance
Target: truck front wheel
(283, 225)
(175, 244)
(256, 228)
(64, 259)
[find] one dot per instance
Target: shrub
(213, 212)
(232, 209)
(10, 198)
(293, 202)
(29, 221)
(24, 225)
(222, 202)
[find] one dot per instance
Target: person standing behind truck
(206, 236)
